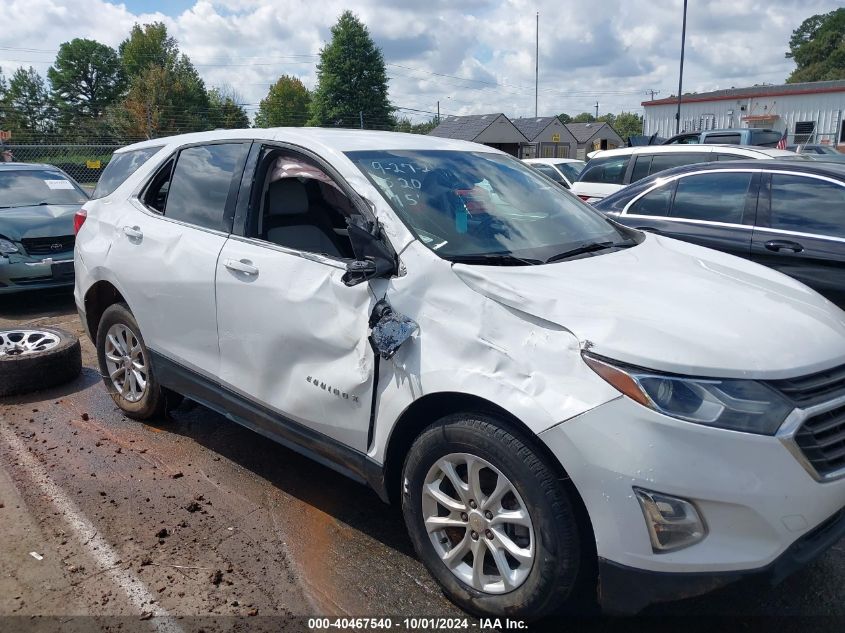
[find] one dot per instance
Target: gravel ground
(198, 519)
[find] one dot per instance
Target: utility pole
(681, 73)
(536, 64)
(597, 109)
(361, 116)
(653, 92)
(438, 112)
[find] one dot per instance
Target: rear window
(120, 167)
(33, 187)
(765, 139)
(727, 139)
(609, 170)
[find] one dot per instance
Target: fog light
(672, 523)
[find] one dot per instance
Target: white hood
(676, 307)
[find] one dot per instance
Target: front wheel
(489, 519)
(125, 366)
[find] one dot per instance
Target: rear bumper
(627, 590)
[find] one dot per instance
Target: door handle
(241, 266)
(133, 232)
(783, 245)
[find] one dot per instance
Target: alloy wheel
(126, 362)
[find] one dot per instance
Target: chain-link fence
(84, 162)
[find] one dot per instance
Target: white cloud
(590, 50)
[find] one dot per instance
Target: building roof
(465, 128)
(532, 127)
(583, 132)
(808, 87)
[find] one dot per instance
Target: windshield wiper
(589, 247)
(493, 259)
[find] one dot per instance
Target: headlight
(738, 405)
(6, 247)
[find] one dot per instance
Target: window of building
(804, 131)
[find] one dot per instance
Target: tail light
(78, 220)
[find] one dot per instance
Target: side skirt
(252, 415)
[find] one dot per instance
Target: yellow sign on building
(556, 138)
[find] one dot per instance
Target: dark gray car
(37, 207)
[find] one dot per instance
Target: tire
(557, 554)
(35, 358)
(139, 403)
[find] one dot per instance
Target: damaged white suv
(559, 403)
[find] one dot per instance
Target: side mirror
(373, 258)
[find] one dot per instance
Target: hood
(676, 307)
(42, 221)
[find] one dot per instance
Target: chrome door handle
(133, 231)
(241, 266)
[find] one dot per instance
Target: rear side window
(660, 162)
(200, 184)
(120, 167)
(610, 170)
(550, 172)
(807, 205)
(727, 139)
(655, 202)
(715, 197)
(642, 164)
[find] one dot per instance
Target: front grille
(822, 440)
(814, 389)
(48, 245)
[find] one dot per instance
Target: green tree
(29, 110)
(286, 104)
(166, 94)
(584, 117)
(86, 78)
(225, 109)
(564, 118)
(628, 124)
(146, 46)
(351, 79)
(818, 48)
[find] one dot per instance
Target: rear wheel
(489, 519)
(126, 368)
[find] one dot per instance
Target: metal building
(495, 130)
(810, 112)
(547, 136)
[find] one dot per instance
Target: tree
(584, 117)
(351, 79)
(405, 125)
(29, 111)
(225, 109)
(628, 124)
(818, 48)
(286, 104)
(166, 94)
(564, 118)
(86, 78)
(146, 46)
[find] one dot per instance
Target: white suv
(553, 398)
(612, 170)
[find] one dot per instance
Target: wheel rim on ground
(126, 362)
(24, 342)
(478, 523)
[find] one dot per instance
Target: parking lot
(196, 516)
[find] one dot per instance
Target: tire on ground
(558, 567)
(156, 400)
(34, 371)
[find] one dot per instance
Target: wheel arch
(98, 298)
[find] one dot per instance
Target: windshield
(33, 187)
(466, 205)
(572, 169)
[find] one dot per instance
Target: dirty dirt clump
(216, 577)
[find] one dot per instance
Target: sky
(473, 56)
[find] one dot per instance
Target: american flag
(782, 141)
